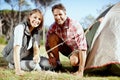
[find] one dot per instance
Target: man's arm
(82, 57)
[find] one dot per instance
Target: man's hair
(58, 6)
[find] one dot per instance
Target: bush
(2, 40)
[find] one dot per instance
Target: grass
(2, 40)
(7, 74)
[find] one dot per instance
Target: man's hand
(53, 61)
(36, 59)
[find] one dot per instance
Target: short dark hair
(58, 6)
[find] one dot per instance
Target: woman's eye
(35, 17)
(39, 18)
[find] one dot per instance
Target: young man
(65, 29)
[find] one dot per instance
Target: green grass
(2, 40)
(7, 74)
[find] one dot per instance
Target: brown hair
(58, 6)
(34, 11)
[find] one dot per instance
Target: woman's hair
(58, 6)
(34, 11)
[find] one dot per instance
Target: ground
(7, 74)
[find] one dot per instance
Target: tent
(103, 40)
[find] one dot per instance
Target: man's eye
(60, 14)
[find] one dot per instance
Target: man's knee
(74, 60)
(53, 40)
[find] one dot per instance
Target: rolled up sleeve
(18, 35)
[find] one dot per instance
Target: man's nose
(58, 17)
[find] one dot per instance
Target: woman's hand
(36, 58)
(19, 72)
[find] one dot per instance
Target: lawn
(7, 74)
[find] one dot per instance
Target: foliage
(2, 40)
(87, 20)
(41, 42)
(43, 4)
(5, 11)
(10, 20)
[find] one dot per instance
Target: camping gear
(104, 45)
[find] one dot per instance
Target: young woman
(24, 43)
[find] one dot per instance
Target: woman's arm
(18, 38)
(16, 56)
(36, 57)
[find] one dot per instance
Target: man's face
(59, 16)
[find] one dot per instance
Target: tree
(21, 3)
(87, 21)
(11, 22)
(12, 18)
(1, 25)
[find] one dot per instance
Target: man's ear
(65, 12)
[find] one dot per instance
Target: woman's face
(35, 19)
(59, 16)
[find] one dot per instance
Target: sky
(76, 9)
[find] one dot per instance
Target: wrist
(36, 55)
(50, 55)
(17, 69)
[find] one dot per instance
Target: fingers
(20, 73)
(53, 61)
(80, 74)
(36, 59)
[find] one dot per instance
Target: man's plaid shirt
(71, 31)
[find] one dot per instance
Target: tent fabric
(90, 35)
(105, 46)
